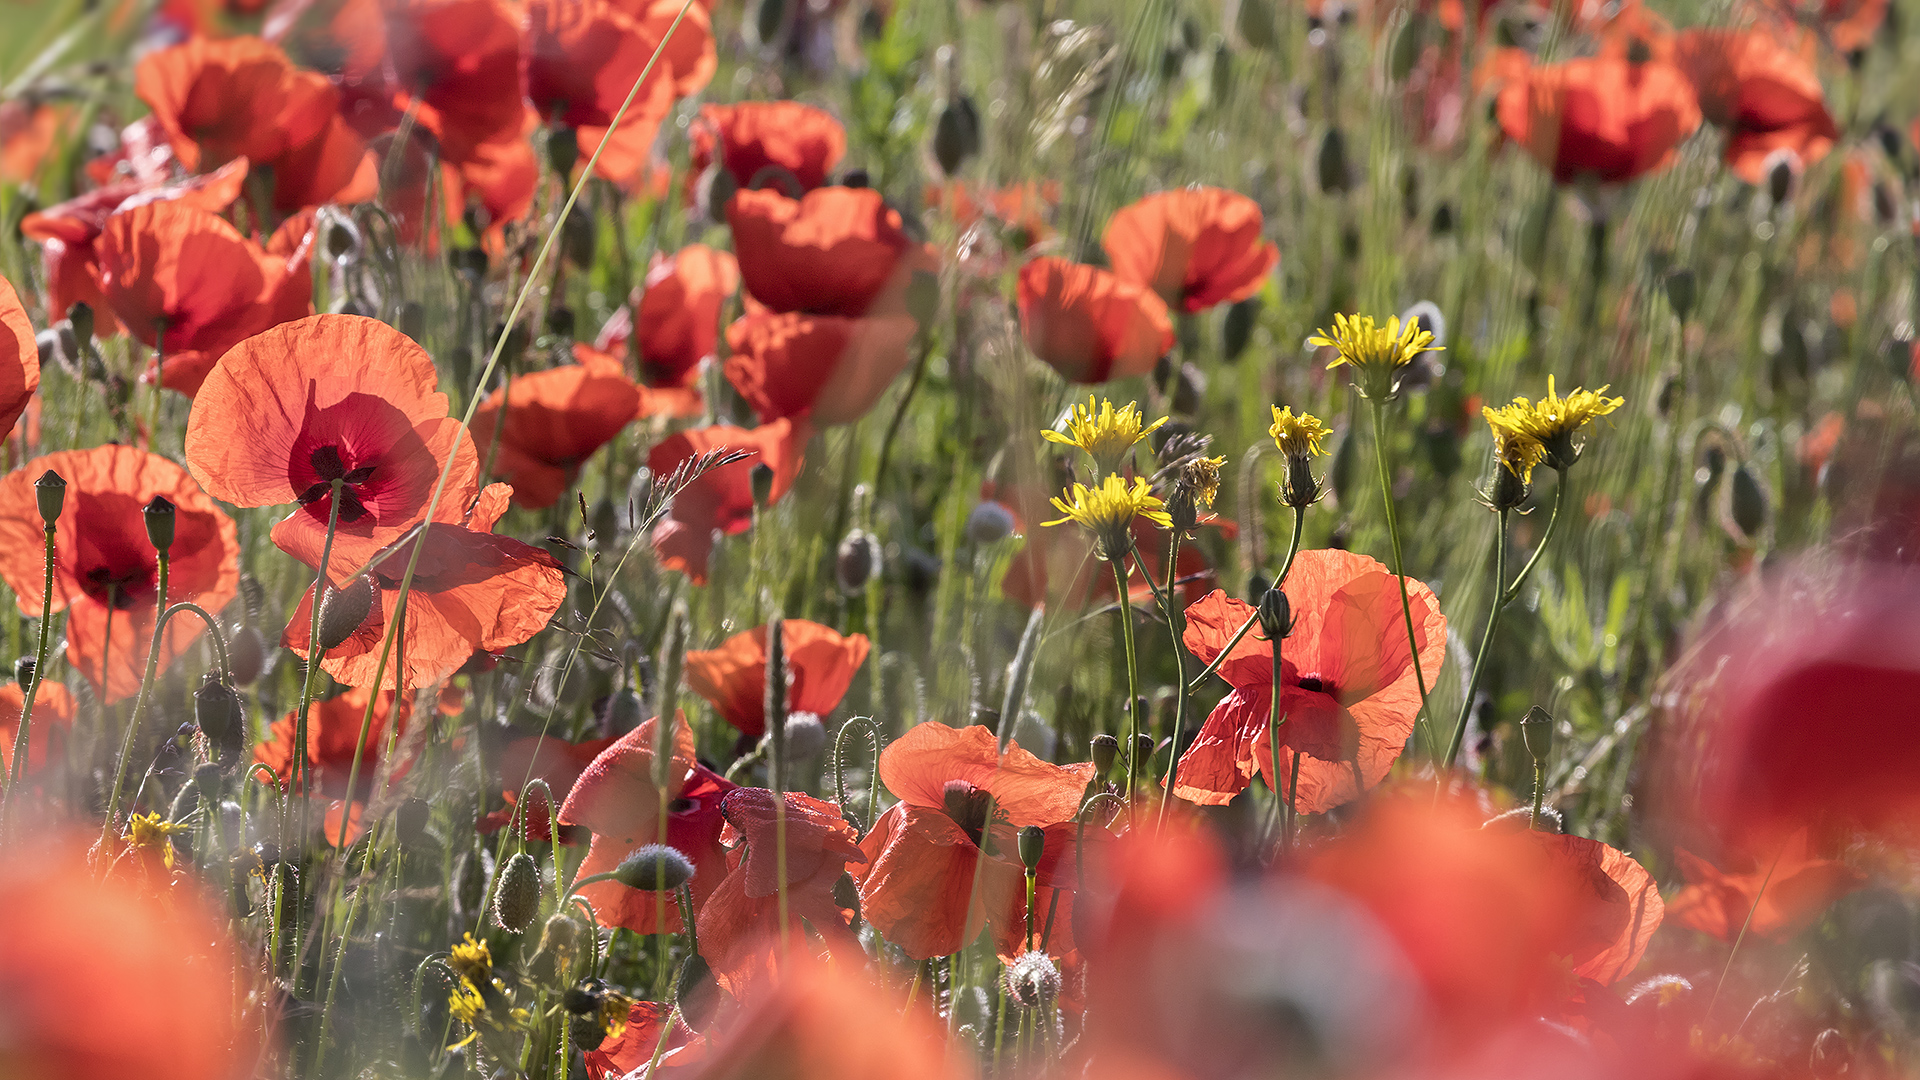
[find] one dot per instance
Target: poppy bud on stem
(50, 492)
(776, 720)
(1536, 730)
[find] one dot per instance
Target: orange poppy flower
(1089, 325)
(679, 314)
(106, 574)
(53, 712)
(1762, 90)
(159, 961)
(721, 500)
(753, 135)
(616, 798)
(826, 368)
(834, 251)
(1350, 694)
(1775, 900)
(960, 799)
(19, 359)
(1614, 909)
(739, 925)
(1023, 207)
(556, 420)
(821, 665)
(633, 1049)
(331, 397)
(187, 283)
(472, 592)
(27, 132)
(541, 757)
(1599, 116)
(333, 734)
(1195, 247)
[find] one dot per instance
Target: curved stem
(1293, 548)
(39, 671)
(139, 707)
(900, 411)
(1133, 674)
(1553, 519)
(1486, 639)
(1399, 568)
(1176, 626)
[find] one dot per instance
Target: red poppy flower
(331, 397)
(106, 574)
(1023, 207)
(634, 1048)
(1614, 906)
(293, 242)
(1600, 116)
(1089, 325)
(823, 367)
(721, 500)
(1763, 91)
(559, 764)
(27, 132)
(834, 251)
(19, 359)
(472, 592)
(1775, 899)
(1350, 694)
(678, 312)
(167, 972)
(821, 665)
(186, 282)
(53, 712)
(753, 135)
(333, 735)
(616, 798)
(960, 798)
(556, 420)
(1195, 247)
(739, 925)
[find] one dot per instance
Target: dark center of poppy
(1315, 683)
(329, 466)
(968, 806)
(118, 587)
(681, 805)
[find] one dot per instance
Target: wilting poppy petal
(834, 251)
(556, 420)
(1195, 247)
(829, 369)
(750, 136)
(1089, 325)
(1600, 116)
(19, 359)
(821, 665)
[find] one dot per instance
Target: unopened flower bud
(1780, 179)
(1536, 731)
(654, 868)
(159, 514)
(1508, 489)
(50, 491)
(857, 562)
(23, 669)
(1236, 330)
(762, 478)
(1747, 502)
(1105, 750)
(956, 134)
(1033, 980)
(1302, 488)
(1033, 844)
(563, 149)
(1680, 291)
(516, 894)
(989, 523)
(769, 18)
(623, 714)
(806, 736)
(80, 317)
(1276, 615)
(216, 711)
(246, 654)
(1331, 163)
(714, 190)
(344, 610)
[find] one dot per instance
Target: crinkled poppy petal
(1211, 622)
(180, 278)
(1195, 247)
(919, 878)
(1616, 909)
(1089, 325)
(917, 767)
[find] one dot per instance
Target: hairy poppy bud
(857, 562)
(159, 515)
(762, 478)
(410, 822)
(623, 714)
(516, 894)
(563, 149)
(1033, 980)
(1780, 179)
(246, 654)
(1679, 283)
(714, 190)
(1747, 501)
(806, 736)
(1536, 730)
(1105, 749)
(23, 672)
(697, 992)
(1255, 24)
(344, 610)
(654, 868)
(210, 781)
(216, 711)
(1221, 74)
(470, 883)
(989, 523)
(1276, 615)
(1033, 844)
(50, 491)
(80, 318)
(1236, 331)
(769, 18)
(956, 134)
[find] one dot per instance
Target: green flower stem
(39, 670)
(1553, 519)
(146, 692)
(1399, 568)
(1539, 793)
(302, 772)
(1293, 548)
(1176, 627)
(1133, 673)
(1276, 717)
(1486, 637)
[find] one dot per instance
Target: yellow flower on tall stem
(1375, 353)
(1554, 421)
(1107, 511)
(1107, 434)
(1299, 437)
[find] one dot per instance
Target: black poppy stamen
(968, 806)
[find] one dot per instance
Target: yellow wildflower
(1554, 420)
(148, 831)
(1518, 451)
(472, 960)
(1108, 511)
(1377, 354)
(1298, 436)
(1105, 433)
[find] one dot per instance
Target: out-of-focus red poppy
(219, 100)
(721, 500)
(160, 962)
(1614, 909)
(1023, 207)
(739, 925)
(821, 665)
(804, 141)
(1089, 325)
(616, 798)
(634, 1048)
(826, 368)
(1195, 247)
(333, 737)
(925, 887)
(1350, 690)
(1599, 116)
(53, 712)
(678, 312)
(28, 129)
(19, 359)
(106, 573)
(186, 282)
(834, 251)
(1762, 90)
(332, 397)
(556, 762)
(556, 420)
(66, 232)
(1777, 898)
(472, 592)
(1847, 25)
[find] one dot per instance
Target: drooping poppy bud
(762, 478)
(216, 710)
(1331, 163)
(857, 561)
(246, 654)
(1105, 749)
(956, 134)
(654, 868)
(1236, 331)
(80, 317)
(1276, 615)
(563, 149)
(1033, 980)
(516, 894)
(697, 992)
(1747, 502)
(1680, 291)
(344, 610)
(51, 493)
(159, 516)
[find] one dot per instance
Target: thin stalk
(1399, 569)
(39, 671)
(900, 410)
(1553, 519)
(322, 581)
(1176, 626)
(1293, 792)
(1486, 638)
(1742, 936)
(1133, 675)
(1276, 719)
(1293, 548)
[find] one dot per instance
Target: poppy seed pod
(216, 711)
(1276, 615)
(50, 491)
(654, 868)
(516, 894)
(1105, 749)
(762, 479)
(1143, 748)
(344, 610)
(159, 516)
(857, 562)
(563, 149)
(1033, 980)
(956, 134)
(1679, 284)
(1033, 844)
(1236, 330)
(1536, 730)
(989, 523)
(246, 654)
